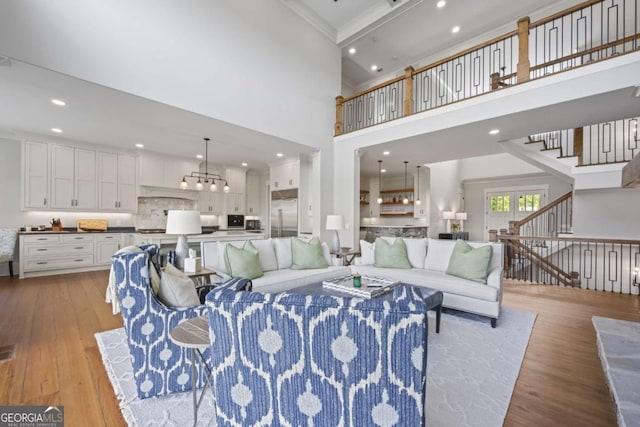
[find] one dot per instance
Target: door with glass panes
(513, 205)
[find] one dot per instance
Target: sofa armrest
(494, 279)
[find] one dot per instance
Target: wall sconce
(448, 215)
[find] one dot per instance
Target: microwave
(235, 221)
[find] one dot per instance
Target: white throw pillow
(222, 266)
(439, 254)
(366, 253)
(266, 253)
(326, 253)
(176, 289)
(283, 252)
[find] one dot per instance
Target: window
(500, 203)
(529, 202)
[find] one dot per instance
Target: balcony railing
(596, 264)
(589, 32)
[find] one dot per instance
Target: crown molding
(312, 18)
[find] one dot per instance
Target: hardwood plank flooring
(52, 320)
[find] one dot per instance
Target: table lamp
(335, 223)
(462, 217)
(183, 223)
(448, 215)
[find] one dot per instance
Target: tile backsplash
(151, 210)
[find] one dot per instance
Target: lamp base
(335, 242)
(182, 251)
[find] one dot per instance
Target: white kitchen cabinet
(73, 178)
(255, 195)
(161, 171)
(35, 175)
(105, 246)
(116, 182)
(210, 203)
(235, 203)
(285, 175)
(237, 180)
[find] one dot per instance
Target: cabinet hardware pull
(45, 201)
(42, 262)
(43, 238)
(41, 250)
(78, 247)
(78, 260)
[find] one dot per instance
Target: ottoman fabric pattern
(291, 359)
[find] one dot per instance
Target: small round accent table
(193, 334)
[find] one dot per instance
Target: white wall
(609, 213)
(496, 165)
(253, 63)
(445, 193)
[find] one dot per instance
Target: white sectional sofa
(429, 259)
(460, 294)
(275, 260)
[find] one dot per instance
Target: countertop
(74, 231)
(393, 226)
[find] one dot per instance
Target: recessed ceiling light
(441, 4)
(383, 170)
(56, 130)
(374, 67)
(58, 102)
(244, 164)
(280, 155)
(455, 29)
(494, 131)
(140, 145)
(352, 50)
(385, 153)
(199, 156)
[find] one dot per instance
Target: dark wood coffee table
(432, 297)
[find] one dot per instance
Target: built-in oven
(235, 221)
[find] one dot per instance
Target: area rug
(471, 372)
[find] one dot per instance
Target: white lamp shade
(183, 222)
(461, 216)
(335, 222)
(448, 215)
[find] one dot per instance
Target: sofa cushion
(307, 255)
(283, 252)
(416, 249)
(267, 254)
(391, 255)
(433, 279)
(470, 263)
(287, 279)
(366, 253)
(438, 255)
(244, 263)
(221, 250)
(176, 288)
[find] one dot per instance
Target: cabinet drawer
(58, 250)
(57, 263)
(73, 238)
(42, 238)
(107, 237)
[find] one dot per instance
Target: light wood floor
(52, 321)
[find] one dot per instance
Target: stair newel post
(578, 136)
(523, 50)
(408, 91)
(339, 124)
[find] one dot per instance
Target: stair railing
(553, 218)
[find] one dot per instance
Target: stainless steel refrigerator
(284, 213)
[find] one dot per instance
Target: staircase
(590, 157)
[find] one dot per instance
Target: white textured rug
(471, 372)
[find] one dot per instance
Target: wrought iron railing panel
(610, 142)
(465, 76)
(553, 219)
(375, 107)
(595, 264)
(592, 33)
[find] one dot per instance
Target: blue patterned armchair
(159, 366)
(291, 359)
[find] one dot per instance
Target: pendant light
(405, 201)
(418, 202)
(206, 176)
(379, 182)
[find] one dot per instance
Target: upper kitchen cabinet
(285, 175)
(117, 182)
(255, 194)
(161, 171)
(235, 199)
(35, 175)
(73, 178)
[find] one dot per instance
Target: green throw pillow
(470, 263)
(307, 255)
(387, 255)
(244, 263)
